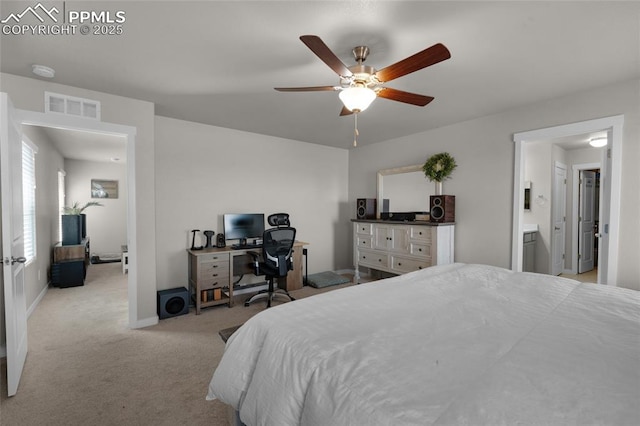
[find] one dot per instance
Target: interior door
(586, 223)
(558, 218)
(15, 305)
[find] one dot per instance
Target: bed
(456, 344)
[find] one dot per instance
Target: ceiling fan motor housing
(362, 76)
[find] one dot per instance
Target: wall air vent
(68, 105)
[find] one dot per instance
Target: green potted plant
(74, 222)
(439, 167)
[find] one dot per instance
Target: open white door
(558, 218)
(15, 304)
(586, 223)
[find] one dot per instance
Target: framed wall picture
(101, 188)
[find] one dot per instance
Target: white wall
(36, 273)
(204, 171)
(106, 225)
(483, 181)
(48, 162)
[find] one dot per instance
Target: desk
(211, 273)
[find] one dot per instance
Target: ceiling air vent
(68, 105)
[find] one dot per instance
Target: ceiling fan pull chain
(355, 129)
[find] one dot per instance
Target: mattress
(453, 344)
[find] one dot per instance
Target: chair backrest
(278, 219)
(277, 248)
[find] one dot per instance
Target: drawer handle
(215, 266)
(419, 249)
(379, 260)
(419, 267)
(214, 275)
(399, 263)
(364, 257)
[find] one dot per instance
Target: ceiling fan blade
(321, 50)
(306, 89)
(345, 111)
(432, 55)
(406, 97)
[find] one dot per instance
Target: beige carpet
(85, 367)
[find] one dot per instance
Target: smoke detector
(43, 71)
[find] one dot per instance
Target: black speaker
(442, 208)
(71, 229)
(220, 241)
(366, 208)
(173, 302)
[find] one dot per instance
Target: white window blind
(29, 199)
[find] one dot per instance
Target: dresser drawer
(420, 233)
(373, 259)
(403, 265)
(363, 241)
(364, 228)
(420, 249)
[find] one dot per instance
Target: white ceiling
(87, 146)
(217, 62)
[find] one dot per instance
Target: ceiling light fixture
(43, 71)
(356, 99)
(598, 142)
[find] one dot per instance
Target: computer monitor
(241, 226)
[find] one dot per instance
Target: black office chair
(277, 254)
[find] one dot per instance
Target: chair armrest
(256, 262)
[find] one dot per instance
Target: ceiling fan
(361, 84)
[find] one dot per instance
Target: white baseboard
(36, 302)
(147, 322)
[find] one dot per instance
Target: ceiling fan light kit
(361, 84)
(357, 98)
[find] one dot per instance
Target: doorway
(587, 190)
(610, 189)
(56, 121)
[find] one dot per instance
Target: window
(29, 151)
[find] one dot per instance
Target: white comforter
(455, 344)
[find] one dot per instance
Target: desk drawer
(212, 270)
(213, 257)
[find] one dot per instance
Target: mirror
(406, 188)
